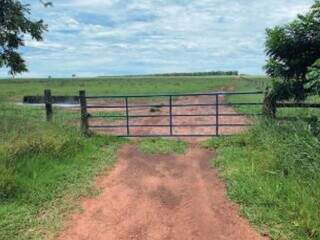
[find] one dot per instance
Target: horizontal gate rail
(180, 115)
(165, 125)
(174, 105)
(177, 95)
(168, 107)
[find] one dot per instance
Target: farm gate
(170, 115)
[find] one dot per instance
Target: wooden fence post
(170, 116)
(84, 113)
(217, 115)
(48, 104)
(269, 106)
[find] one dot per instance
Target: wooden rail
(49, 100)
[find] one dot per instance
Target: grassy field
(45, 167)
(14, 90)
(272, 171)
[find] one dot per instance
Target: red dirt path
(160, 197)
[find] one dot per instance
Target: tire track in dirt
(160, 197)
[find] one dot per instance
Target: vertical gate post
(48, 104)
(127, 116)
(217, 114)
(84, 113)
(170, 116)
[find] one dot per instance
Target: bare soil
(160, 197)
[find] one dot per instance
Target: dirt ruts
(160, 197)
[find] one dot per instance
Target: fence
(214, 113)
(212, 116)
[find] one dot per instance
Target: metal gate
(169, 115)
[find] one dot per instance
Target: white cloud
(126, 36)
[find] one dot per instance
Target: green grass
(273, 172)
(162, 146)
(109, 116)
(44, 169)
(15, 89)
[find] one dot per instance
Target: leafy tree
(15, 24)
(291, 50)
(313, 78)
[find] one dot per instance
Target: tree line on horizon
(210, 73)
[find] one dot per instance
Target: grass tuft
(162, 146)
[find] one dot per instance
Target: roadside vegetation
(273, 170)
(44, 168)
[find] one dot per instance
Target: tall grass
(273, 170)
(44, 167)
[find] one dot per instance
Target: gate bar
(217, 115)
(170, 113)
(84, 113)
(127, 116)
(179, 95)
(174, 105)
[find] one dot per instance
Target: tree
(313, 78)
(291, 50)
(15, 24)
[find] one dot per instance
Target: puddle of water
(61, 105)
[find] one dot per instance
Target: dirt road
(159, 197)
(181, 120)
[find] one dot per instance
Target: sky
(124, 37)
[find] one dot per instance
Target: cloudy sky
(115, 37)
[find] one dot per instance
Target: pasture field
(272, 170)
(15, 89)
(45, 167)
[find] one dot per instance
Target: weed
(162, 146)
